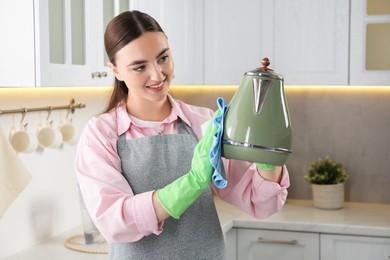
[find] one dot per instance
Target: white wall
(50, 204)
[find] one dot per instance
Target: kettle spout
(260, 90)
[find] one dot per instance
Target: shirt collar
(177, 111)
(124, 122)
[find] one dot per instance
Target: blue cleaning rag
(219, 176)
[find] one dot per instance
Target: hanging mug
(49, 137)
(68, 130)
(21, 140)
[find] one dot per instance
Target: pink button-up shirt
(122, 216)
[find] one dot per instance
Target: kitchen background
(336, 70)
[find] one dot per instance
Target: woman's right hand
(177, 196)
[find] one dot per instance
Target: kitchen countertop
(362, 219)
(54, 248)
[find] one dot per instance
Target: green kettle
(257, 125)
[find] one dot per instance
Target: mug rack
(70, 107)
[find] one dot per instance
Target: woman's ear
(114, 70)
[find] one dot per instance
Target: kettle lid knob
(265, 62)
(264, 71)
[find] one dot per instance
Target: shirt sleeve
(117, 213)
(251, 193)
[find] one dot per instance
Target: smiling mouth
(157, 86)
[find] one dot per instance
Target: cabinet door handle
(96, 74)
(272, 241)
(99, 75)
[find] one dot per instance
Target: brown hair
(120, 31)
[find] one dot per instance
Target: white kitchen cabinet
(336, 42)
(62, 45)
(17, 43)
(231, 244)
(370, 42)
(192, 27)
(340, 247)
(182, 21)
(311, 41)
(270, 245)
(237, 37)
(306, 41)
(61, 42)
(69, 42)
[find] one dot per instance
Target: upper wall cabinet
(182, 22)
(69, 42)
(17, 43)
(305, 40)
(56, 42)
(217, 41)
(237, 37)
(316, 42)
(311, 41)
(370, 42)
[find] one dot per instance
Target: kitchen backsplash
(350, 124)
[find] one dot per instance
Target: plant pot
(329, 196)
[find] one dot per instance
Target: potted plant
(327, 179)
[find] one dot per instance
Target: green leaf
(326, 171)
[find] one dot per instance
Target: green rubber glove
(177, 196)
(267, 167)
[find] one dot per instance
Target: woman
(143, 174)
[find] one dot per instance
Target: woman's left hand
(274, 175)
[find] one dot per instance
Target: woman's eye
(140, 68)
(163, 58)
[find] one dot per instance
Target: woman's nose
(156, 73)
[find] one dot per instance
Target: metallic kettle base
(254, 154)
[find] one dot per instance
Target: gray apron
(150, 163)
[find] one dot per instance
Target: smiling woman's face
(146, 66)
